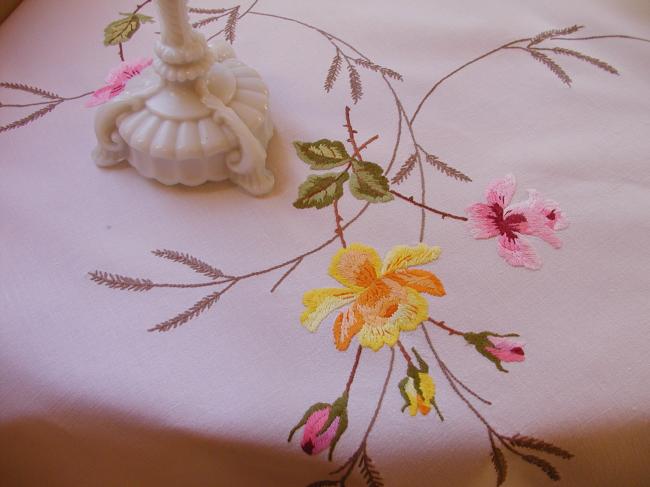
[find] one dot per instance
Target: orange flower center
(388, 311)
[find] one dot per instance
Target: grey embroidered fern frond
(193, 263)
(124, 283)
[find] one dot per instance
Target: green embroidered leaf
(368, 183)
(320, 191)
(402, 390)
(339, 408)
(343, 425)
(123, 29)
(424, 367)
(322, 154)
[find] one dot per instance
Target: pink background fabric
(89, 398)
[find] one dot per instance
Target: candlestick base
(191, 129)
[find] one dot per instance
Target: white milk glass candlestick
(197, 114)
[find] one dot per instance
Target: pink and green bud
(323, 426)
(497, 348)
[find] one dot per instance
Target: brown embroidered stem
(357, 152)
(611, 36)
(48, 102)
(444, 326)
(453, 385)
(286, 274)
(507, 45)
(446, 77)
(406, 355)
(353, 372)
(443, 214)
(140, 6)
(381, 396)
(309, 252)
(351, 132)
(446, 371)
(338, 220)
(466, 388)
(423, 193)
(121, 52)
(349, 464)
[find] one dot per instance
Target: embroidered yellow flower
(384, 298)
(419, 396)
(418, 388)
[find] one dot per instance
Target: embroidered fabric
(444, 98)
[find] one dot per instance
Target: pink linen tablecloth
(474, 104)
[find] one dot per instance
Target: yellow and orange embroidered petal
(377, 331)
(403, 256)
(321, 302)
(356, 266)
(412, 312)
(423, 281)
(347, 325)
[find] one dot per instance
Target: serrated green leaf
(123, 29)
(319, 191)
(368, 183)
(322, 154)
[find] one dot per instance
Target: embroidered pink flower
(313, 440)
(536, 216)
(506, 350)
(116, 81)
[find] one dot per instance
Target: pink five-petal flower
(536, 216)
(116, 81)
(313, 441)
(506, 350)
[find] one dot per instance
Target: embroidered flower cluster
(384, 299)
